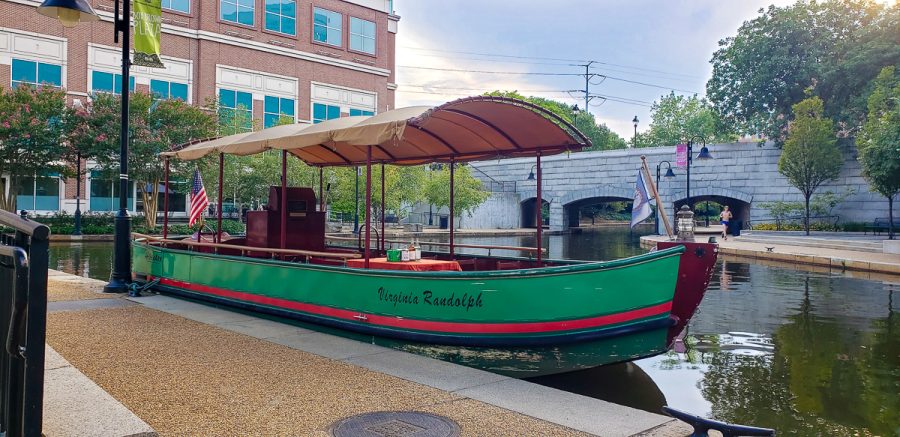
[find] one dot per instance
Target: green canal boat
(284, 266)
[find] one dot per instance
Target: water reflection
(802, 352)
(93, 260)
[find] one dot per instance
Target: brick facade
(204, 49)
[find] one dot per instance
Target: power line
(587, 75)
(494, 54)
(564, 94)
(580, 61)
(490, 72)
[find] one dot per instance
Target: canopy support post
(165, 232)
(321, 197)
(219, 207)
(383, 207)
(539, 211)
(283, 207)
(452, 203)
(368, 202)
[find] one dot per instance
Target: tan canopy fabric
(468, 129)
(201, 149)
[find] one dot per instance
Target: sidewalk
(798, 252)
(190, 369)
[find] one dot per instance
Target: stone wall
(741, 173)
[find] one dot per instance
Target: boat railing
(244, 250)
(531, 250)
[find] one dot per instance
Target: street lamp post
(669, 174)
(77, 230)
(703, 155)
(634, 139)
(70, 13)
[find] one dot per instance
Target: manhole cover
(395, 424)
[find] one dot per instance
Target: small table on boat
(422, 265)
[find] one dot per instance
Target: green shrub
(62, 223)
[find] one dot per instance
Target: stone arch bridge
(741, 175)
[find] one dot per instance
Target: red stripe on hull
(432, 326)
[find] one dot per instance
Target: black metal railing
(23, 323)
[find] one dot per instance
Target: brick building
(312, 60)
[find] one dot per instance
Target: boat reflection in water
(527, 362)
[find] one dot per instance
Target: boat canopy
(468, 129)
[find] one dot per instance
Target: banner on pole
(681, 155)
(147, 26)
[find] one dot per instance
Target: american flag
(199, 201)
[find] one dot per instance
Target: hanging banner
(147, 26)
(681, 155)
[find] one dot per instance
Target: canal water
(802, 352)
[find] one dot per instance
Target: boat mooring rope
(135, 290)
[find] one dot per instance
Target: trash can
(736, 227)
(444, 221)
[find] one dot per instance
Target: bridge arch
(573, 201)
(527, 212)
(738, 202)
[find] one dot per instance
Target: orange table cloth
(422, 265)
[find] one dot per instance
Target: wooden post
(219, 207)
(659, 204)
(452, 204)
(368, 202)
(283, 199)
(383, 209)
(321, 197)
(165, 232)
(540, 210)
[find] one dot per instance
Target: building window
(322, 112)
(275, 108)
(161, 89)
(105, 193)
(109, 82)
(327, 26)
(238, 11)
(177, 5)
(35, 73)
(281, 16)
(360, 112)
(39, 194)
(362, 35)
(236, 109)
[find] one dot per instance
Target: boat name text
(428, 297)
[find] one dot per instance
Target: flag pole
(659, 204)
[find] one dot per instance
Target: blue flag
(640, 209)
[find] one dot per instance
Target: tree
(33, 124)
(835, 46)
(879, 140)
(602, 138)
(675, 118)
(468, 193)
(810, 155)
(156, 126)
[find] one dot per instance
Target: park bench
(881, 224)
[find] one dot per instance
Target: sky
(665, 43)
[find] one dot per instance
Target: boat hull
(694, 272)
(545, 306)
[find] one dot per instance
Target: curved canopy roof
(468, 129)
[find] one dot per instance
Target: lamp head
(704, 153)
(635, 121)
(669, 173)
(531, 176)
(68, 12)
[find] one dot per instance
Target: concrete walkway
(191, 369)
(831, 253)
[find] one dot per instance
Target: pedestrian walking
(725, 217)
